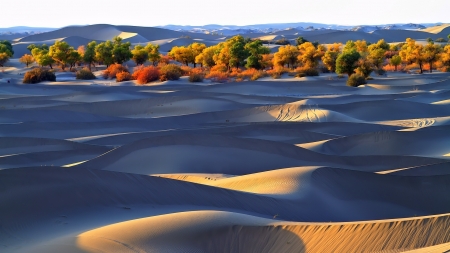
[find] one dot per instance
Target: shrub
(147, 74)
(186, 70)
(219, 68)
(252, 74)
(216, 76)
(300, 74)
(196, 78)
(170, 72)
(312, 72)
(38, 75)
(85, 74)
(123, 76)
(444, 69)
(356, 80)
(440, 40)
(112, 71)
(306, 71)
(136, 71)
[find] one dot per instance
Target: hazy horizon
(251, 12)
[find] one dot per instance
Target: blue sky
(227, 12)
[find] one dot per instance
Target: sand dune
(288, 165)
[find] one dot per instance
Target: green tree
(42, 57)
(89, 54)
(6, 47)
(140, 55)
(346, 63)
(103, 53)
(73, 58)
(237, 51)
(256, 51)
(121, 51)
(395, 61)
(153, 53)
(300, 40)
(61, 52)
(377, 53)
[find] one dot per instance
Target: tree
(103, 53)
(73, 58)
(140, 55)
(330, 56)
(33, 46)
(412, 52)
(42, 57)
(309, 55)
(89, 54)
(26, 59)
(361, 46)
(395, 61)
(286, 55)
(431, 54)
(346, 63)
(445, 56)
(267, 61)
(4, 58)
(377, 53)
(121, 51)
(6, 47)
(300, 40)
(197, 49)
(61, 52)
(206, 58)
(256, 51)
(429, 40)
(182, 54)
(153, 53)
(237, 51)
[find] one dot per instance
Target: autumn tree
(256, 51)
(26, 59)
(361, 46)
(197, 49)
(4, 58)
(153, 53)
(206, 57)
(89, 54)
(121, 51)
(62, 53)
(103, 53)
(309, 55)
(182, 54)
(412, 52)
(445, 56)
(286, 55)
(140, 55)
(330, 56)
(346, 63)
(395, 61)
(267, 61)
(431, 54)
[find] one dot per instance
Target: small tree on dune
(206, 57)
(153, 53)
(26, 59)
(256, 50)
(62, 53)
(140, 55)
(197, 49)
(412, 52)
(121, 51)
(346, 63)
(103, 53)
(431, 54)
(89, 54)
(286, 55)
(395, 61)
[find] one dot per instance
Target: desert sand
(287, 165)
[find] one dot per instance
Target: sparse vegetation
(38, 75)
(85, 74)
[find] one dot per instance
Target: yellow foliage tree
(182, 54)
(309, 55)
(26, 59)
(412, 52)
(286, 55)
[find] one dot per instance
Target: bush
(39, 75)
(440, 40)
(300, 74)
(170, 72)
(196, 78)
(219, 68)
(306, 71)
(112, 71)
(123, 76)
(85, 74)
(356, 80)
(147, 74)
(252, 74)
(186, 70)
(216, 76)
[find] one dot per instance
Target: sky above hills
(229, 12)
